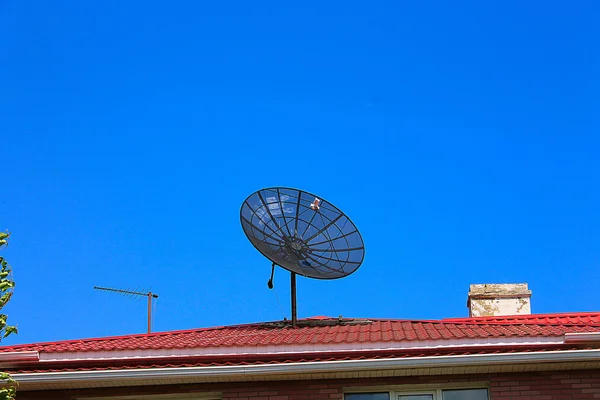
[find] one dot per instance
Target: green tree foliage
(7, 391)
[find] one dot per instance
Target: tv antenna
(302, 233)
(135, 294)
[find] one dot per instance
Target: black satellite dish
(302, 233)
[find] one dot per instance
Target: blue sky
(461, 138)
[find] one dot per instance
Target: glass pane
(466, 394)
(367, 396)
(415, 397)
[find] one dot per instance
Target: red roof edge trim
(582, 337)
(15, 357)
(246, 359)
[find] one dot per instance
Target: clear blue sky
(463, 139)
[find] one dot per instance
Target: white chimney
(499, 299)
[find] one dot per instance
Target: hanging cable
(271, 286)
(278, 302)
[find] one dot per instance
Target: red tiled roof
(323, 330)
(583, 318)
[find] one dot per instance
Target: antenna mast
(132, 293)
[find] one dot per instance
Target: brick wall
(546, 386)
(287, 391)
(583, 384)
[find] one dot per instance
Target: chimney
(499, 299)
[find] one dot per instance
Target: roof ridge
(526, 319)
(558, 314)
(269, 326)
(138, 335)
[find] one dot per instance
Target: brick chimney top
(499, 299)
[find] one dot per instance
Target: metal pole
(149, 311)
(294, 313)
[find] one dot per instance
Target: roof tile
(321, 330)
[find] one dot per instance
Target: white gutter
(582, 337)
(312, 367)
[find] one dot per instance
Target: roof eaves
(251, 372)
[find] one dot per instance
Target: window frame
(394, 394)
(418, 389)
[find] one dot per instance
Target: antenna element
(133, 293)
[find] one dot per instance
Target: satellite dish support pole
(293, 291)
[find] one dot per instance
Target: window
(465, 394)
(435, 394)
(367, 396)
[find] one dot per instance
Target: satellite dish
(302, 233)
